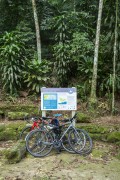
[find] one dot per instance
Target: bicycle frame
(71, 126)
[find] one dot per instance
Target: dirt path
(101, 164)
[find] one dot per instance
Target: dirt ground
(101, 164)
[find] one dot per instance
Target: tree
(95, 65)
(37, 30)
(114, 60)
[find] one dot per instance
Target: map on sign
(58, 99)
(50, 101)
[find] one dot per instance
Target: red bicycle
(34, 122)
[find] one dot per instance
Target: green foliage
(25, 33)
(67, 34)
(82, 53)
(12, 12)
(37, 75)
(72, 46)
(81, 46)
(12, 64)
(83, 89)
(61, 49)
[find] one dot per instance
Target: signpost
(64, 99)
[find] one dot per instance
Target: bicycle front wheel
(88, 145)
(39, 143)
(80, 138)
(66, 144)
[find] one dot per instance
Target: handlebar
(28, 119)
(69, 120)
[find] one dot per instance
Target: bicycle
(39, 142)
(36, 123)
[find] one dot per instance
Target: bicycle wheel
(39, 143)
(66, 144)
(87, 142)
(25, 131)
(77, 140)
(88, 145)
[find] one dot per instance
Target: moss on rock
(95, 128)
(31, 109)
(16, 153)
(8, 134)
(113, 137)
(11, 131)
(2, 127)
(16, 115)
(83, 118)
(96, 136)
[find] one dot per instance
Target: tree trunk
(37, 30)
(114, 60)
(94, 78)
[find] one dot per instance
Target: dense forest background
(67, 35)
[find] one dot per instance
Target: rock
(16, 153)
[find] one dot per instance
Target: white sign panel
(58, 99)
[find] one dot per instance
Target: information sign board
(58, 99)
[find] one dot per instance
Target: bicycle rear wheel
(25, 131)
(39, 143)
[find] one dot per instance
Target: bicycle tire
(66, 144)
(88, 146)
(88, 143)
(39, 143)
(77, 140)
(25, 131)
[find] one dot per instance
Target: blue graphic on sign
(50, 101)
